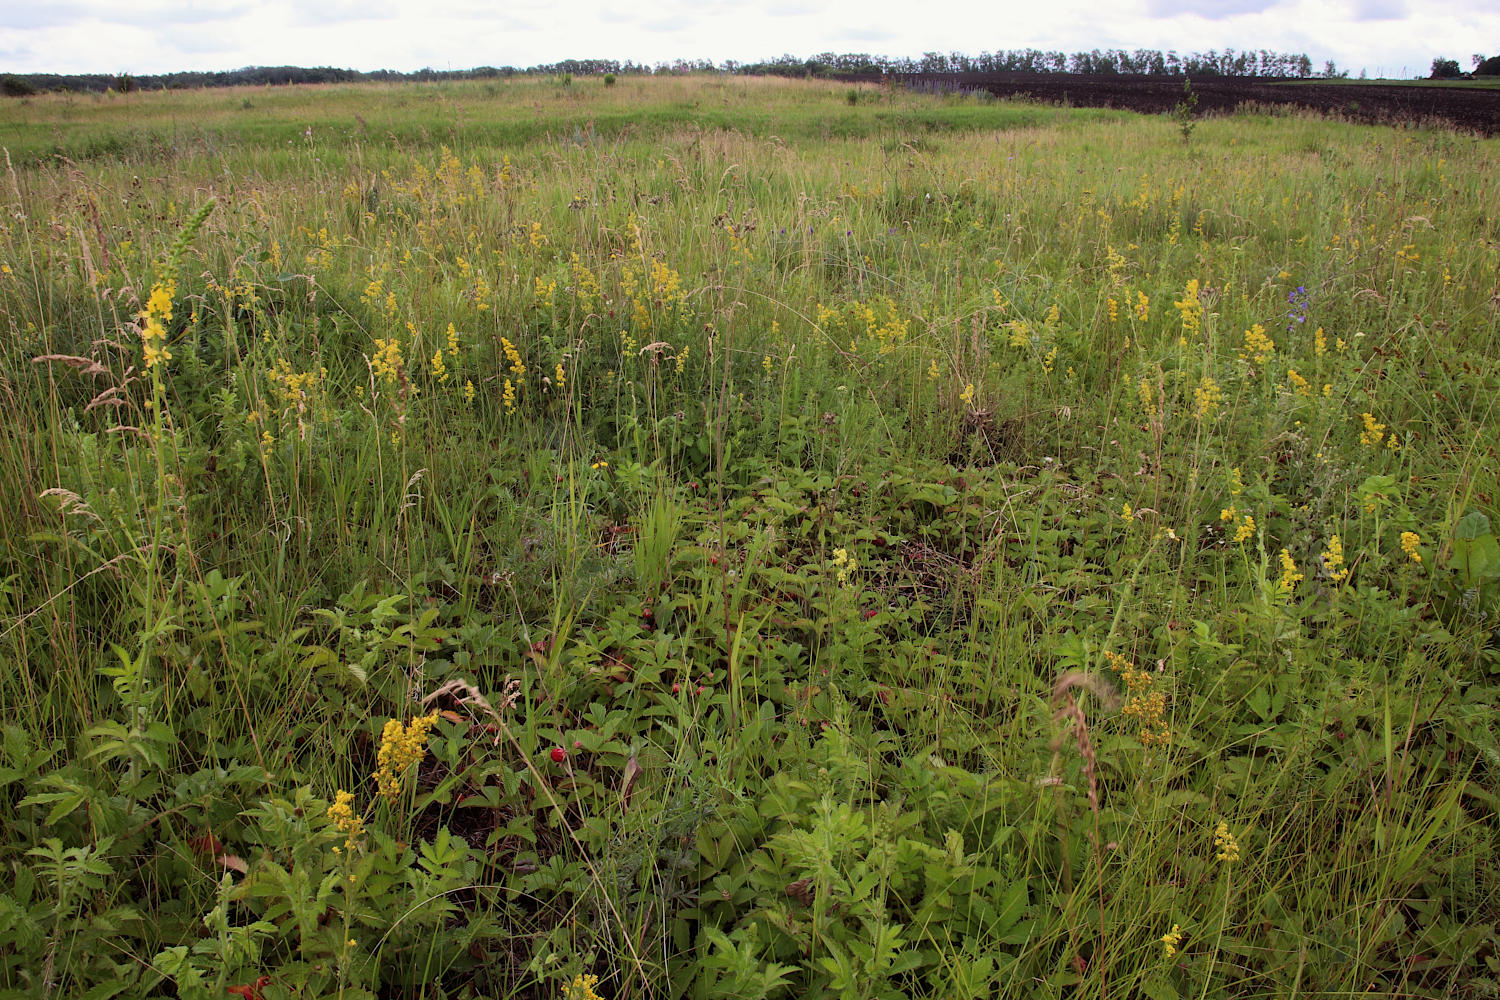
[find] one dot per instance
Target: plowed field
(1471, 108)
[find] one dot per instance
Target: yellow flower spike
(1333, 561)
(1290, 575)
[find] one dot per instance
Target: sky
(1382, 37)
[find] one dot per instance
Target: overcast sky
(157, 36)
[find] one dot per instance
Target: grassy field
(743, 538)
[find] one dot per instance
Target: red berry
(578, 744)
(676, 688)
(559, 755)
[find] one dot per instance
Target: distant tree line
(1448, 69)
(1144, 62)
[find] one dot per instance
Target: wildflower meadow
(721, 537)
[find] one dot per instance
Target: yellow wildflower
(345, 819)
(1290, 575)
(1333, 561)
(1171, 941)
(843, 565)
(1258, 346)
(581, 988)
(1373, 431)
(1206, 397)
(1228, 845)
(1126, 513)
(1191, 308)
(387, 361)
(400, 747)
(1409, 542)
(1146, 707)
(153, 320)
(1246, 530)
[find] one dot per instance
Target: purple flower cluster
(1298, 300)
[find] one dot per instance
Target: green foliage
(1445, 69)
(1182, 112)
(867, 562)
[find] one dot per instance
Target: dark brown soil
(1467, 108)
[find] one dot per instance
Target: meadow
(711, 537)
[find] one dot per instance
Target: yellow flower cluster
(154, 317)
(1373, 432)
(1206, 397)
(581, 988)
(843, 565)
(1258, 346)
(1171, 941)
(1409, 542)
(1245, 530)
(350, 823)
(1142, 306)
(401, 746)
(1333, 561)
(1144, 392)
(1146, 707)
(387, 362)
(1290, 575)
(1300, 384)
(1228, 846)
(1191, 308)
(293, 389)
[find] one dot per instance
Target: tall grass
(863, 548)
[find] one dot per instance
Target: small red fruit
(676, 688)
(559, 755)
(578, 744)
